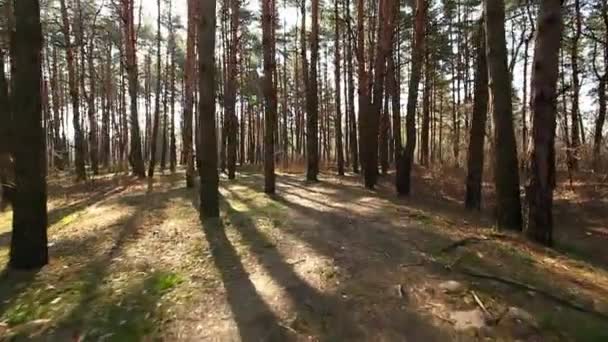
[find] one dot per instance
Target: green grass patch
(164, 282)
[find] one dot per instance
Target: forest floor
(328, 261)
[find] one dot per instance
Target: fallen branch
(480, 303)
(462, 243)
(514, 283)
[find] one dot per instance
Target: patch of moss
(574, 326)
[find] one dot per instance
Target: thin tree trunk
(337, 75)
(156, 120)
(230, 96)
(189, 92)
(354, 145)
(575, 114)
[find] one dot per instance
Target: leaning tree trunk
(406, 159)
(541, 174)
(270, 94)
(209, 192)
(478, 128)
(506, 172)
(29, 238)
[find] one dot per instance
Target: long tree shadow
(254, 319)
(80, 285)
(64, 215)
(334, 317)
(327, 230)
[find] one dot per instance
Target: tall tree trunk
(575, 114)
(406, 159)
(135, 156)
(270, 93)
(209, 192)
(29, 237)
(478, 127)
(58, 147)
(172, 142)
(337, 75)
(78, 134)
(384, 47)
(230, 96)
(603, 80)
(506, 172)
(93, 131)
(156, 120)
(352, 121)
(426, 111)
(541, 176)
(189, 92)
(312, 98)
(6, 117)
(394, 74)
(105, 116)
(364, 90)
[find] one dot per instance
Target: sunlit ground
(328, 261)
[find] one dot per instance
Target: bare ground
(329, 261)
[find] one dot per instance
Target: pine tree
(29, 238)
(541, 177)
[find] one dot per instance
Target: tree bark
(79, 159)
(541, 176)
(575, 114)
(29, 237)
(406, 159)
(478, 128)
(352, 120)
(338, 123)
(230, 96)
(189, 91)
(270, 94)
(135, 156)
(156, 120)
(209, 192)
(506, 171)
(312, 101)
(363, 91)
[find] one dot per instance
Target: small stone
(521, 316)
(452, 286)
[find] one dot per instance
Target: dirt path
(329, 261)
